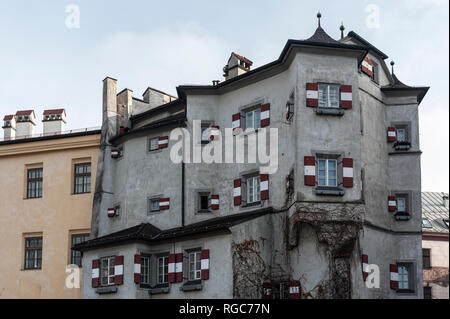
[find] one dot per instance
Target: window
(404, 277)
(203, 201)
(426, 257)
(33, 253)
(427, 293)
(253, 119)
(327, 172)
(401, 204)
(82, 178)
(163, 269)
(107, 271)
(280, 290)
(195, 268)
(153, 144)
(253, 189)
(34, 183)
(401, 135)
(154, 205)
(374, 76)
(145, 270)
(205, 138)
(426, 223)
(75, 258)
(328, 95)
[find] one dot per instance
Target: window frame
(327, 171)
(109, 268)
(75, 252)
(150, 207)
(201, 194)
(35, 181)
(197, 260)
(256, 125)
(35, 249)
(148, 273)
(256, 191)
(328, 100)
(150, 139)
(84, 174)
(165, 270)
(410, 277)
(426, 257)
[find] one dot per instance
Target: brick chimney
(54, 121)
(9, 127)
(26, 121)
(237, 65)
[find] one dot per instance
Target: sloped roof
(321, 36)
(8, 117)
(25, 112)
(434, 210)
(54, 111)
(363, 41)
(242, 58)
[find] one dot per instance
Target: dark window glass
(427, 293)
(34, 183)
(82, 178)
(33, 253)
(203, 202)
(426, 255)
(76, 255)
(145, 270)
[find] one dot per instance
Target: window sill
(405, 291)
(329, 191)
(251, 204)
(330, 111)
(402, 216)
(204, 211)
(28, 269)
(154, 151)
(194, 285)
(159, 290)
(402, 146)
(106, 290)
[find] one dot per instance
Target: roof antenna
(392, 66)
(342, 28)
(319, 15)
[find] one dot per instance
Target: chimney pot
(54, 120)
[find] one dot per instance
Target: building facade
(435, 245)
(45, 204)
(343, 199)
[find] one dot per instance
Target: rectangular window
(145, 270)
(401, 135)
(205, 138)
(404, 275)
(253, 189)
(375, 72)
(33, 253)
(34, 183)
(426, 256)
(203, 201)
(328, 95)
(82, 178)
(427, 293)
(327, 172)
(401, 204)
(107, 271)
(253, 119)
(153, 144)
(195, 265)
(76, 255)
(154, 205)
(163, 270)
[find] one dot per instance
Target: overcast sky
(162, 44)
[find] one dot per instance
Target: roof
(51, 136)
(54, 111)
(148, 233)
(321, 36)
(398, 86)
(8, 117)
(363, 41)
(25, 112)
(434, 210)
(242, 58)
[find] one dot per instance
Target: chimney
(9, 127)
(109, 125)
(25, 123)
(155, 97)
(236, 66)
(54, 121)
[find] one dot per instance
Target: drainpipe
(182, 194)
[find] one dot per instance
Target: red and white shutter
(392, 203)
(236, 123)
(179, 267)
(294, 289)
(391, 134)
(137, 269)
(310, 170)
(164, 203)
(393, 269)
(114, 153)
(214, 132)
(264, 186)
(111, 212)
(267, 290)
(367, 66)
(205, 264)
(312, 94)
(163, 142)
(346, 97)
(118, 270)
(95, 273)
(365, 264)
(347, 172)
(214, 202)
(265, 115)
(237, 192)
(171, 268)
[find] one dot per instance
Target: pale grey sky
(44, 64)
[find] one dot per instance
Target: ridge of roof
(363, 41)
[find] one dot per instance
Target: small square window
(203, 201)
(154, 144)
(328, 95)
(426, 223)
(154, 205)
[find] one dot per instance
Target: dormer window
(328, 95)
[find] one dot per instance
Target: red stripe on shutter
(265, 115)
(366, 69)
(294, 289)
(347, 165)
(96, 270)
(178, 272)
(137, 269)
(312, 94)
(164, 203)
(163, 141)
(365, 263)
(393, 269)
(310, 167)
(215, 131)
(237, 192)
(392, 134)
(264, 186)
(118, 261)
(391, 205)
(214, 202)
(205, 264)
(267, 290)
(236, 123)
(346, 96)
(171, 272)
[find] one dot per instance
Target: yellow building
(46, 189)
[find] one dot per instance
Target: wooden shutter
(118, 270)
(310, 170)
(392, 203)
(391, 134)
(347, 172)
(205, 264)
(171, 268)
(265, 115)
(163, 142)
(95, 273)
(237, 194)
(312, 94)
(264, 186)
(346, 97)
(236, 123)
(365, 264)
(294, 289)
(393, 269)
(137, 269)
(164, 203)
(179, 267)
